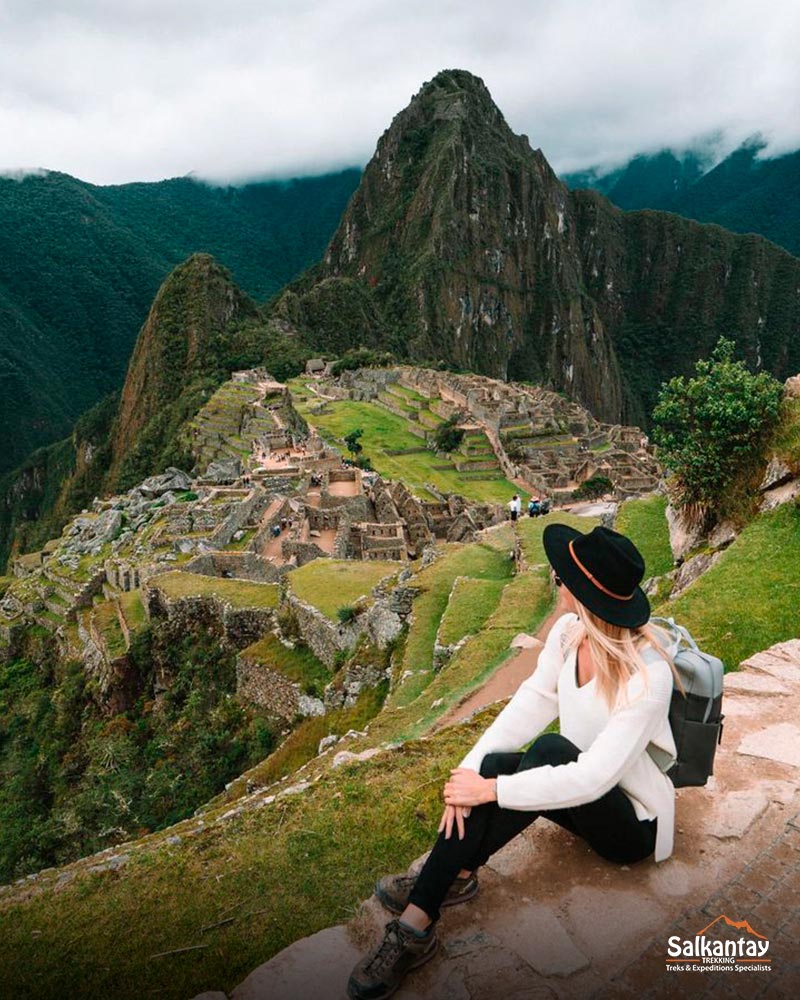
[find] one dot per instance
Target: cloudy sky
(119, 90)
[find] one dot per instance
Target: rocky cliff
(178, 344)
(474, 252)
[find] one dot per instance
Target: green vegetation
(350, 439)
(362, 357)
(487, 560)
(711, 431)
(296, 663)
(471, 602)
(75, 781)
(748, 600)
(288, 853)
(447, 436)
(593, 488)
(239, 593)
(644, 520)
(386, 434)
(330, 584)
(743, 193)
(67, 328)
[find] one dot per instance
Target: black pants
(609, 825)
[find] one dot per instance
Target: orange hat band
(595, 581)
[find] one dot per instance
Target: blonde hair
(616, 651)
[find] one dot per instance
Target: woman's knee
(495, 764)
(550, 748)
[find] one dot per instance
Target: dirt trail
(506, 679)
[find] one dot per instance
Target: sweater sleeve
(598, 769)
(533, 706)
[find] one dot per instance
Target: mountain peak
(177, 344)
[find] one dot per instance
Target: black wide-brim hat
(602, 569)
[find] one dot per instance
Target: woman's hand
(454, 814)
(467, 788)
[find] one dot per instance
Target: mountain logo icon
(739, 925)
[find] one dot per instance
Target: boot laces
(390, 947)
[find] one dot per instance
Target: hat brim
(626, 613)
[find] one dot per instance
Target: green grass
(133, 609)
(487, 560)
(471, 602)
(107, 622)
(525, 603)
(385, 431)
(282, 872)
(531, 528)
(298, 664)
(240, 593)
(749, 599)
(645, 522)
(330, 584)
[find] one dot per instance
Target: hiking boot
(393, 891)
(380, 973)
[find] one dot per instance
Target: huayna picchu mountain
(469, 249)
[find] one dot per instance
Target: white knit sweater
(613, 745)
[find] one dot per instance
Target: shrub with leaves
(593, 488)
(447, 436)
(711, 429)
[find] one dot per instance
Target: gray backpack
(696, 719)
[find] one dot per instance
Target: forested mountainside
(461, 244)
(742, 193)
(80, 265)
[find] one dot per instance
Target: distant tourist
(533, 507)
(515, 506)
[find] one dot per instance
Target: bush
(711, 430)
(346, 614)
(593, 488)
(447, 436)
(354, 446)
(362, 357)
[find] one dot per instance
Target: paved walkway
(767, 892)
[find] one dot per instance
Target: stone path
(768, 891)
(554, 920)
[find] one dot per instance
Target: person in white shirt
(515, 506)
(604, 673)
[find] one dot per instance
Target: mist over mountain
(743, 192)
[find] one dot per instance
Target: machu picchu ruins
(271, 492)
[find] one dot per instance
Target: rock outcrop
(461, 243)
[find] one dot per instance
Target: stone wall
(323, 637)
(239, 627)
(259, 685)
(246, 513)
(245, 565)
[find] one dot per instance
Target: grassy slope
(645, 522)
(471, 603)
(286, 860)
(330, 584)
(749, 599)
(385, 431)
(240, 593)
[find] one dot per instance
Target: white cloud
(142, 89)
